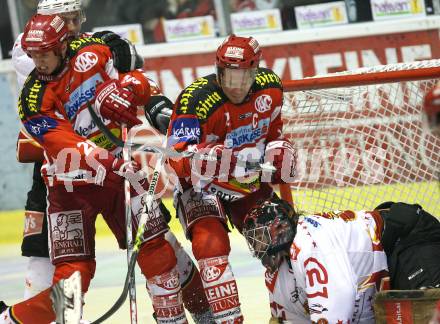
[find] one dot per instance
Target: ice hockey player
(432, 109)
(232, 115)
(83, 174)
(40, 270)
(327, 267)
(158, 112)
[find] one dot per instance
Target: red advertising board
(297, 60)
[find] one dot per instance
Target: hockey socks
(167, 298)
(221, 289)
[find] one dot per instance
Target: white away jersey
(22, 63)
(336, 266)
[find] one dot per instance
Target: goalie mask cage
(361, 138)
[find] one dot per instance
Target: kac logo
(210, 274)
(85, 61)
(263, 103)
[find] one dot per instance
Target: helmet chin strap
(57, 73)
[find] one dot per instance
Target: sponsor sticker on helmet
(85, 61)
(35, 35)
(57, 23)
(234, 52)
(254, 44)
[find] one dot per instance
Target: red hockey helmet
(44, 33)
(238, 53)
(237, 61)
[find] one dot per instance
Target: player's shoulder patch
(77, 44)
(266, 79)
(201, 98)
(31, 96)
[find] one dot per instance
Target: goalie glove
(282, 155)
(158, 112)
(116, 103)
(125, 57)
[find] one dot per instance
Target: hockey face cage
(43, 33)
(270, 228)
(60, 7)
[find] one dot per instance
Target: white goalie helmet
(52, 7)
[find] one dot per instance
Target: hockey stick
(126, 154)
(149, 199)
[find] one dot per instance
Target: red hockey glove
(116, 103)
(282, 155)
(432, 109)
(130, 170)
(214, 160)
(210, 160)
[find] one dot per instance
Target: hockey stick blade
(120, 301)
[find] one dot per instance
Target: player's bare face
(73, 22)
(46, 62)
(236, 83)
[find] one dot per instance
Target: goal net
(361, 138)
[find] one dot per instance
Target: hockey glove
(432, 109)
(158, 112)
(282, 155)
(209, 160)
(124, 52)
(129, 170)
(116, 103)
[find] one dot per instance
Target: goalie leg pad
(166, 295)
(86, 268)
(66, 299)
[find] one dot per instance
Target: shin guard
(166, 295)
(221, 289)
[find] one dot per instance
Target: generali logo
(85, 61)
(263, 103)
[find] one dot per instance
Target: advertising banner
(132, 32)
(189, 28)
(392, 9)
(321, 15)
(251, 22)
(298, 60)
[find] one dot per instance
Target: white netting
(360, 145)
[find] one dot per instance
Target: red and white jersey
(28, 150)
(336, 266)
(55, 114)
(204, 114)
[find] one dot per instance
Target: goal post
(361, 138)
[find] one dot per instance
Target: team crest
(85, 61)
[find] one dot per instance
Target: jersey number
(316, 274)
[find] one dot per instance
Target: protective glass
(236, 83)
